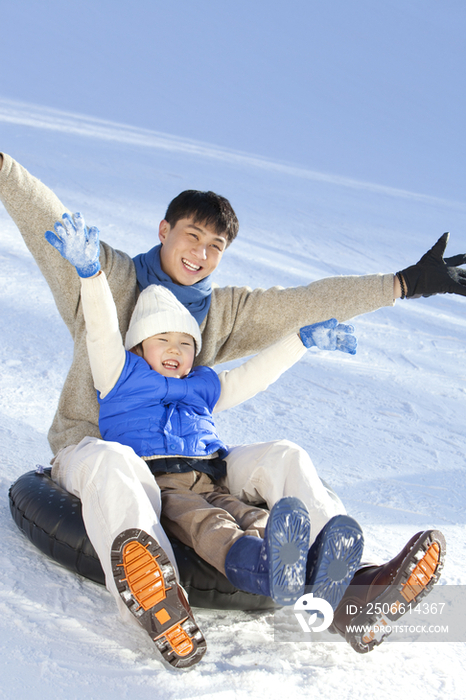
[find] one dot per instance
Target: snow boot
(379, 595)
(334, 558)
(276, 565)
(145, 579)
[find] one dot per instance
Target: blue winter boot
(334, 558)
(276, 565)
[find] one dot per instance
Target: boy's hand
(434, 274)
(77, 244)
(329, 335)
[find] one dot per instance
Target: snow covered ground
(385, 428)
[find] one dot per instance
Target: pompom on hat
(158, 311)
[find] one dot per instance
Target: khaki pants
(205, 516)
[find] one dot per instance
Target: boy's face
(189, 251)
(170, 354)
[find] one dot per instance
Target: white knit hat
(158, 311)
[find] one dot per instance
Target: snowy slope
(385, 428)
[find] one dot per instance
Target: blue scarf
(196, 297)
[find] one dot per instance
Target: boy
(153, 401)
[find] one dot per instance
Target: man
(236, 322)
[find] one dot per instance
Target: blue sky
(365, 89)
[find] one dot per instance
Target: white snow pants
(268, 471)
(118, 491)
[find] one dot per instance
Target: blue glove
(77, 244)
(329, 335)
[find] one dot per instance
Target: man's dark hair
(205, 208)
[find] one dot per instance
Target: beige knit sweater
(240, 322)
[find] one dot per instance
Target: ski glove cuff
(434, 274)
(77, 244)
(329, 335)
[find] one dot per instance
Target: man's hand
(434, 274)
(329, 335)
(77, 244)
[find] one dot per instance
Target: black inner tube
(51, 518)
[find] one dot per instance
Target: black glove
(434, 274)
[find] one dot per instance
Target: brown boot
(378, 595)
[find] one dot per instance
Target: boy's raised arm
(80, 246)
(257, 373)
(104, 343)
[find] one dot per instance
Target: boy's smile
(190, 251)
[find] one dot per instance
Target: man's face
(189, 251)
(170, 354)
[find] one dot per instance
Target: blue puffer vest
(156, 415)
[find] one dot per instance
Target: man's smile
(191, 266)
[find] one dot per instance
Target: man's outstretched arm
(34, 208)
(240, 319)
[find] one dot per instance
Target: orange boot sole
(145, 579)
